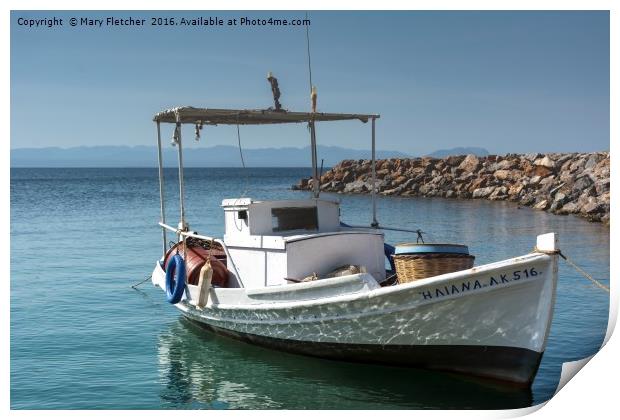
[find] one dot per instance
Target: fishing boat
(292, 276)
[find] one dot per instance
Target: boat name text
(469, 285)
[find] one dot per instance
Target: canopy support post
(162, 213)
(375, 223)
(182, 225)
(315, 169)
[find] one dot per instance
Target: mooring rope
(586, 275)
(143, 281)
(576, 267)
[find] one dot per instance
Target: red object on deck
(196, 258)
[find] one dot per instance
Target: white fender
(204, 284)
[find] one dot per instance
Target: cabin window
(294, 218)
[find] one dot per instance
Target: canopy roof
(191, 115)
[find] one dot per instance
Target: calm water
(82, 338)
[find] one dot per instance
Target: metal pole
(315, 170)
(162, 213)
(374, 180)
(182, 224)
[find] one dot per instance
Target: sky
(510, 82)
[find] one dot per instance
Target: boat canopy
(209, 116)
(191, 115)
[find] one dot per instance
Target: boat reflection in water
(199, 369)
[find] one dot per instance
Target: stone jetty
(561, 183)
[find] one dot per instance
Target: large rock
(393, 191)
(331, 186)
(541, 171)
(400, 180)
(499, 193)
(424, 189)
(356, 187)
(527, 199)
(567, 178)
(453, 161)
(560, 198)
(547, 184)
(470, 164)
(515, 190)
(592, 161)
(582, 183)
(502, 174)
(348, 176)
(534, 180)
(591, 207)
(541, 205)
(569, 208)
(502, 165)
(546, 162)
(532, 156)
(482, 192)
(602, 186)
(382, 172)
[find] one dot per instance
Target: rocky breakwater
(561, 183)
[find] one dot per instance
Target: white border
(591, 395)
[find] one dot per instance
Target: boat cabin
(272, 243)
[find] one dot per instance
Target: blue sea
(82, 338)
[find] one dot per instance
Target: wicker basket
(411, 267)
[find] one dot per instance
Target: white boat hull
(489, 321)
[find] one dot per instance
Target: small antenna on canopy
(313, 98)
(308, 50)
(275, 90)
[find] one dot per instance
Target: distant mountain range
(215, 156)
